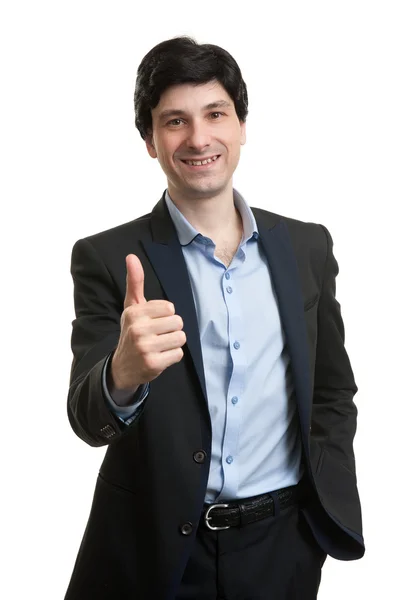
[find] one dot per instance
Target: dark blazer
(150, 489)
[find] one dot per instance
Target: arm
(96, 330)
(139, 338)
(334, 413)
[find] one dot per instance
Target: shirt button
(227, 275)
(236, 345)
(235, 400)
(229, 290)
(186, 528)
(199, 456)
(229, 460)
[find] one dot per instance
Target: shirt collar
(186, 232)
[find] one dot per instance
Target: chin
(206, 187)
(206, 190)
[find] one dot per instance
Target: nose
(198, 136)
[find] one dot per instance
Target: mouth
(201, 164)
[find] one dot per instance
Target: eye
(175, 122)
(216, 115)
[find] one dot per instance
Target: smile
(201, 163)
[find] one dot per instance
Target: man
(209, 356)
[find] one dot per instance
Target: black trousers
(276, 558)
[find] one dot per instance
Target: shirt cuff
(128, 413)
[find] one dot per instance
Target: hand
(151, 336)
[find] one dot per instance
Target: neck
(214, 216)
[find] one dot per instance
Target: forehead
(189, 97)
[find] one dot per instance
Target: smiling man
(209, 357)
(196, 136)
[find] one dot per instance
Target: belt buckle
(208, 517)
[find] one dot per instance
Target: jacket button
(186, 528)
(199, 456)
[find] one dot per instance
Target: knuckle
(125, 318)
(128, 311)
(140, 346)
(150, 363)
(135, 331)
(179, 321)
(130, 314)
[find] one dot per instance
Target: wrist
(116, 386)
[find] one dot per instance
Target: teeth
(198, 163)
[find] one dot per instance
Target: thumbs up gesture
(151, 336)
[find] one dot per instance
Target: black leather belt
(238, 513)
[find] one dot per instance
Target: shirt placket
(236, 347)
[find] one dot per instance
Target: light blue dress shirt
(256, 446)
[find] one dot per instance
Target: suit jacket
(150, 489)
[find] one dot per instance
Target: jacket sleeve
(125, 412)
(334, 413)
(96, 329)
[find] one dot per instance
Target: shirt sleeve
(126, 414)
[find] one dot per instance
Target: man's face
(196, 123)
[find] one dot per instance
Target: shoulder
(302, 233)
(118, 238)
(137, 228)
(107, 249)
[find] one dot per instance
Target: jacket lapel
(282, 262)
(166, 257)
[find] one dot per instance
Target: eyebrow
(172, 112)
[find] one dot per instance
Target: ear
(150, 145)
(242, 133)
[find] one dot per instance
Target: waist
(237, 513)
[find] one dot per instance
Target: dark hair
(183, 60)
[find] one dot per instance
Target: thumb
(134, 281)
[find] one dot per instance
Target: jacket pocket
(115, 486)
(311, 303)
(320, 462)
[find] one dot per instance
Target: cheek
(162, 145)
(234, 149)
(164, 156)
(168, 151)
(232, 140)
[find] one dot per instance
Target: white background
(329, 140)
